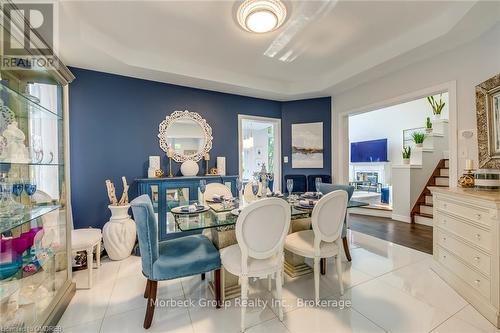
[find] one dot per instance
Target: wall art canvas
(307, 145)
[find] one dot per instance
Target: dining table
(218, 223)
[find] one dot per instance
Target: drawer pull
(445, 206)
(444, 221)
(477, 282)
(478, 236)
(478, 216)
(477, 259)
(444, 239)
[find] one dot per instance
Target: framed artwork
(307, 145)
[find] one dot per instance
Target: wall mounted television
(369, 151)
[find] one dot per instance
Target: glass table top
(220, 216)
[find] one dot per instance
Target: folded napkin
(307, 202)
(190, 208)
(217, 198)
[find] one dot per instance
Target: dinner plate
(200, 209)
(304, 207)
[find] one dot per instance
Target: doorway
(259, 141)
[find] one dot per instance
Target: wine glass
(17, 189)
(203, 188)
(30, 189)
(255, 188)
(239, 186)
(318, 182)
(289, 186)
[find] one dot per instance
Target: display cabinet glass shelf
(35, 214)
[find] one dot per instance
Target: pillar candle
(469, 164)
(221, 165)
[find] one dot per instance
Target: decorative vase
(119, 233)
(428, 130)
(437, 116)
(419, 145)
(189, 168)
(406, 161)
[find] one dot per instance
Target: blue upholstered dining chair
(299, 182)
(311, 181)
(327, 188)
(171, 259)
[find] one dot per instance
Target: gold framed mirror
(488, 122)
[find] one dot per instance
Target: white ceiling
(322, 46)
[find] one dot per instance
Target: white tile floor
(391, 287)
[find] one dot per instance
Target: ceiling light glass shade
(261, 15)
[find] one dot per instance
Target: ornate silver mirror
(186, 135)
(488, 122)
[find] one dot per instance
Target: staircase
(422, 210)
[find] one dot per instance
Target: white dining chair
(325, 238)
(217, 189)
(261, 230)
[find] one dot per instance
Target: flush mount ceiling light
(261, 15)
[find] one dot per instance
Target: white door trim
(340, 128)
(277, 144)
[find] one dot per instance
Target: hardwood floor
(415, 236)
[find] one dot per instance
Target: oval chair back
(261, 229)
(328, 217)
(217, 189)
(147, 232)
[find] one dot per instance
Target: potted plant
(418, 138)
(406, 155)
(437, 106)
(428, 125)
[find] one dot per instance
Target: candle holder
(467, 179)
(170, 174)
(206, 158)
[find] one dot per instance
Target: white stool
(86, 240)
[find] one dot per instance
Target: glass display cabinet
(35, 214)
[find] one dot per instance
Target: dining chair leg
(217, 284)
(338, 261)
(202, 276)
(146, 291)
(346, 248)
(244, 297)
(150, 307)
(316, 278)
(279, 294)
(90, 262)
(98, 254)
(323, 266)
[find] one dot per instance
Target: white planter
(406, 161)
(119, 233)
(419, 145)
(189, 168)
(437, 116)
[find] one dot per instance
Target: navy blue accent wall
(307, 111)
(114, 125)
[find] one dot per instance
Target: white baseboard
(402, 218)
(371, 212)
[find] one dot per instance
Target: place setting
(191, 209)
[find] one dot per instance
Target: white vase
(419, 145)
(189, 168)
(406, 161)
(119, 233)
(437, 116)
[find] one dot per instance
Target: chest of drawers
(466, 246)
